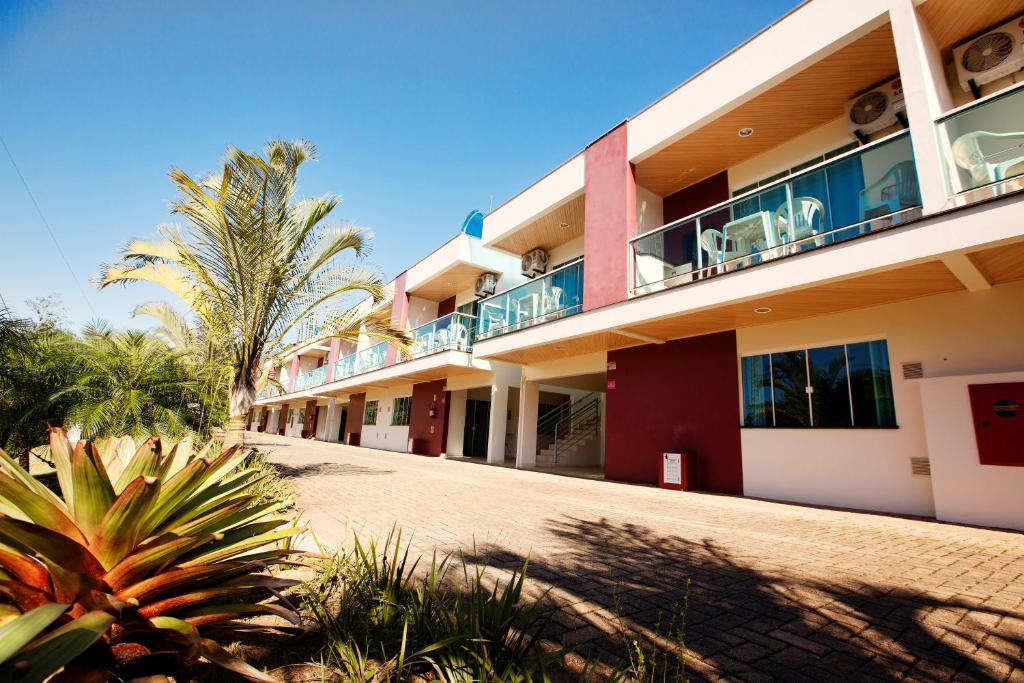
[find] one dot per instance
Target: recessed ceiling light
(563, 225)
(745, 132)
(762, 310)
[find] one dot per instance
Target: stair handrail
(578, 425)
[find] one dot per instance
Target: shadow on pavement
(746, 624)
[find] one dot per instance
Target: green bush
(383, 621)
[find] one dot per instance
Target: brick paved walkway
(778, 591)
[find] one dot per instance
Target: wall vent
(913, 370)
(921, 467)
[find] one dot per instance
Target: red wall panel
(282, 420)
(610, 219)
(681, 396)
(696, 197)
(354, 419)
(427, 395)
(445, 307)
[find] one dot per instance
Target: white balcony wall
(650, 212)
(781, 158)
(421, 311)
(870, 468)
(565, 252)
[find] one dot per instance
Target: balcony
(268, 391)
(370, 358)
(453, 332)
(858, 192)
(313, 378)
(983, 143)
(555, 295)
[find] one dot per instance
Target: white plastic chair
(809, 214)
(713, 243)
(968, 155)
(552, 301)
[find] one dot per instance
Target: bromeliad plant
(148, 552)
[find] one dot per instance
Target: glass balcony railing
(453, 332)
(313, 378)
(554, 295)
(983, 142)
(370, 358)
(870, 188)
(268, 391)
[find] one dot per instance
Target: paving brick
(777, 591)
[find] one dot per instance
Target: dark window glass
(370, 413)
(757, 392)
(789, 380)
(871, 384)
(830, 399)
(400, 411)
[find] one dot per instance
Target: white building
(803, 267)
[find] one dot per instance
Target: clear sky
(421, 111)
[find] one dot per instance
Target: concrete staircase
(585, 451)
(572, 437)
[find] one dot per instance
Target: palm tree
(130, 383)
(253, 262)
(35, 361)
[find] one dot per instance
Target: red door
(999, 422)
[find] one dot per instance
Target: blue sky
(421, 111)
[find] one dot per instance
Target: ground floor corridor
(778, 591)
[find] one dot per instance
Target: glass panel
(370, 358)
(871, 384)
(789, 387)
(666, 254)
(868, 190)
(451, 332)
(830, 400)
(757, 391)
(985, 143)
(555, 295)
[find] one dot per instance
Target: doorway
(478, 420)
(341, 425)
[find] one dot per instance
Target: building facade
(803, 268)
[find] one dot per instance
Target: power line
(53, 237)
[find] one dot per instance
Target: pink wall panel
(610, 209)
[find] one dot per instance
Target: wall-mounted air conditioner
(486, 284)
(876, 110)
(535, 263)
(990, 56)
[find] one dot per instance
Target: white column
(498, 423)
(926, 95)
(456, 422)
(526, 439)
(272, 421)
(333, 420)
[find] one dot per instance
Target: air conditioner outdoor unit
(989, 57)
(876, 110)
(486, 284)
(535, 262)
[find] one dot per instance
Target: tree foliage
(253, 261)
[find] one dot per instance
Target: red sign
(611, 384)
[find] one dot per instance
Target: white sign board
(672, 468)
